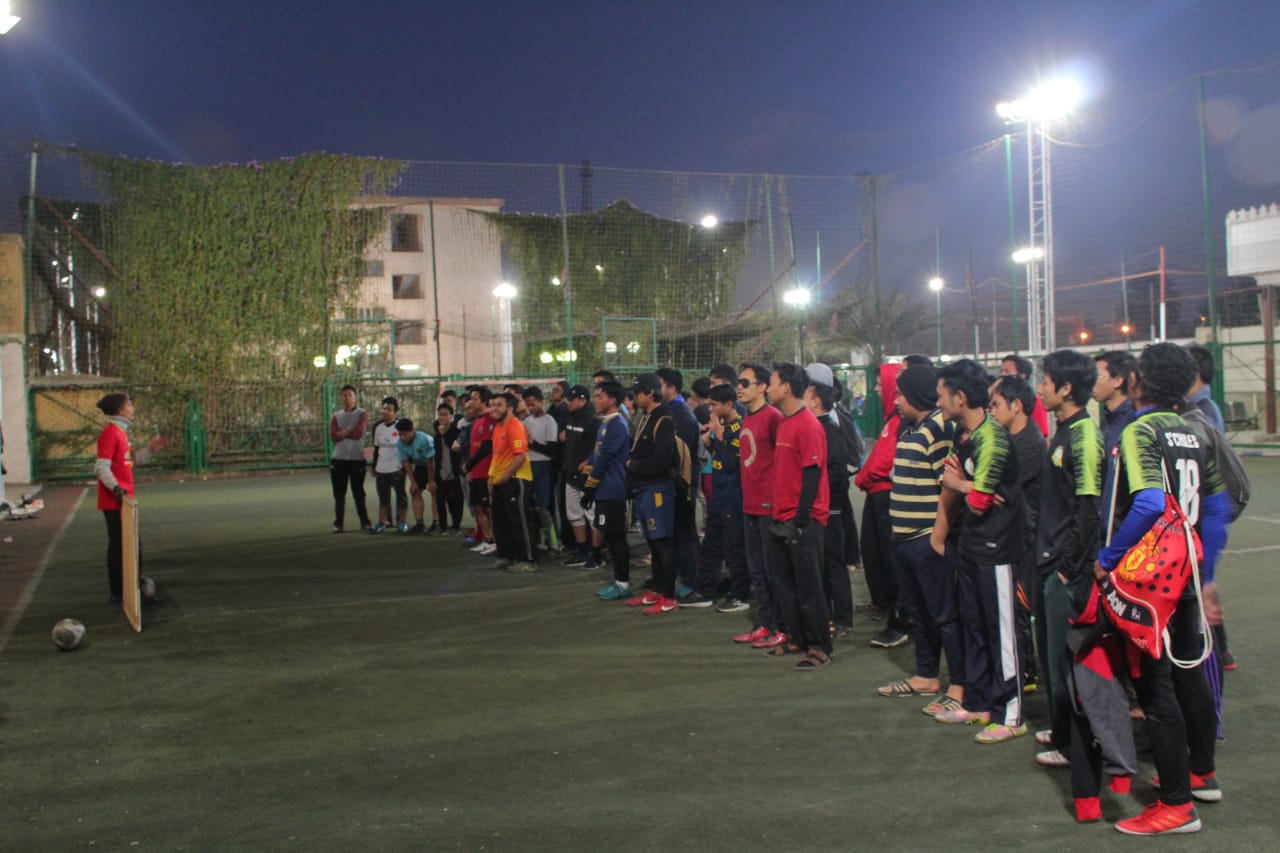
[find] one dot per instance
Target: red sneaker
(662, 605)
(648, 599)
(758, 633)
(1160, 819)
(1204, 788)
(771, 640)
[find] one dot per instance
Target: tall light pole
(936, 284)
(1051, 102)
(504, 293)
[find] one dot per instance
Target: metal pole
(937, 298)
(1269, 353)
(1013, 247)
(435, 284)
(566, 279)
(1050, 311)
(973, 303)
(1164, 311)
(1217, 387)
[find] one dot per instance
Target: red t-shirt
(481, 431)
(801, 443)
(1040, 417)
(759, 431)
(113, 444)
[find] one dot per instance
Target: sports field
(299, 690)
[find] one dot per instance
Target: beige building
(428, 289)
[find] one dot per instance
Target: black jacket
(653, 450)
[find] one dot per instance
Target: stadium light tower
(1049, 103)
(8, 20)
(936, 284)
(798, 298)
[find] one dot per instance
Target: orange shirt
(510, 438)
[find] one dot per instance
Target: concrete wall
(13, 386)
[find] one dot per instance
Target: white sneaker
(489, 548)
(1052, 758)
(479, 547)
(1044, 737)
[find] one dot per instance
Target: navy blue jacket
(608, 460)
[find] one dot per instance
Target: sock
(1088, 809)
(1120, 784)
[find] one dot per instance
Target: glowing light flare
(799, 297)
(505, 290)
(1051, 101)
(936, 284)
(8, 20)
(1027, 255)
(710, 221)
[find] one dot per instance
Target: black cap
(649, 383)
(579, 392)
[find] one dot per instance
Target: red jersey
(759, 431)
(481, 431)
(1040, 417)
(801, 443)
(113, 444)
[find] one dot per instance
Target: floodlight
(798, 297)
(1026, 256)
(936, 284)
(710, 221)
(505, 291)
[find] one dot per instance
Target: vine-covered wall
(233, 271)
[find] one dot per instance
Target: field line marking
(1260, 549)
(29, 590)
(1260, 518)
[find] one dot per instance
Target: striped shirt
(917, 475)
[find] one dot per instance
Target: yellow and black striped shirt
(917, 475)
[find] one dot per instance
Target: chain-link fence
(631, 269)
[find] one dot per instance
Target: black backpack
(854, 443)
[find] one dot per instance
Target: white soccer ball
(148, 588)
(68, 634)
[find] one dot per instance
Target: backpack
(682, 473)
(852, 438)
(1229, 466)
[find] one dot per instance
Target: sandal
(942, 703)
(784, 650)
(815, 659)
(839, 632)
(903, 688)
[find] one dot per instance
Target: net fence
(540, 271)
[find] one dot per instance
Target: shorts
(420, 476)
(573, 506)
(478, 489)
(656, 511)
(611, 517)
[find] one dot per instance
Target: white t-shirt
(387, 455)
(542, 430)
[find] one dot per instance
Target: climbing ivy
(233, 271)
(623, 262)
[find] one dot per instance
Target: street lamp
(1051, 102)
(798, 298)
(504, 293)
(936, 284)
(8, 20)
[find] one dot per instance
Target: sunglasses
(747, 383)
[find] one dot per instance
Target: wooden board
(131, 597)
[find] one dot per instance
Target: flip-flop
(815, 659)
(942, 703)
(903, 688)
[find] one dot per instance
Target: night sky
(795, 87)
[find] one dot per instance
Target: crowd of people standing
(992, 543)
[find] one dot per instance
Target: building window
(404, 233)
(373, 269)
(406, 287)
(410, 332)
(373, 313)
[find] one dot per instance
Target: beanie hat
(919, 387)
(113, 403)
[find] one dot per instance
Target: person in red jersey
(801, 506)
(114, 469)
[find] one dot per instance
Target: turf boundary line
(11, 624)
